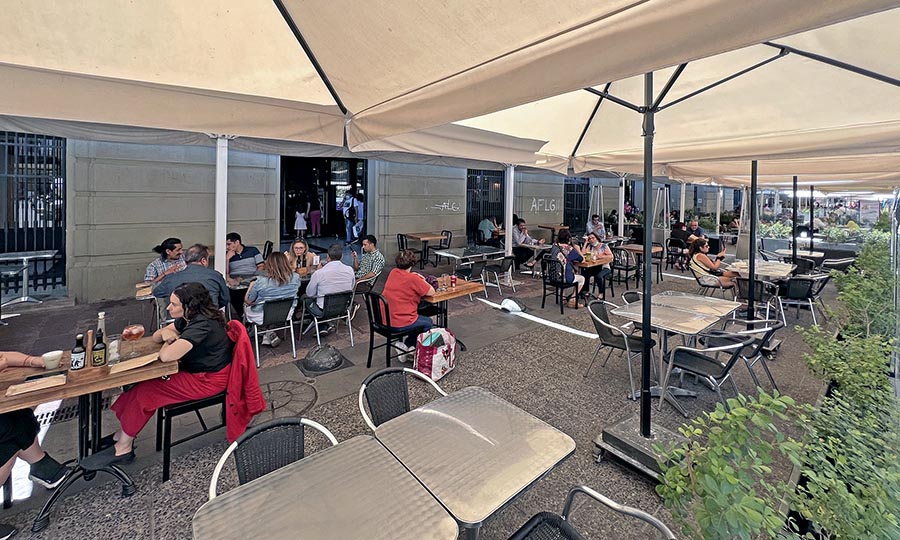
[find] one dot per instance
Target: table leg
(424, 254)
(472, 533)
(24, 298)
(89, 415)
(443, 320)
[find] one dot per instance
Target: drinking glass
(132, 333)
(445, 278)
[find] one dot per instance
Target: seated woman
(567, 254)
(403, 290)
(197, 340)
(706, 269)
(279, 282)
(599, 252)
(300, 258)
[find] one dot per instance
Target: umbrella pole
(794, 218)
(754, 184)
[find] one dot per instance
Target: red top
(244, 398)
(403, 290)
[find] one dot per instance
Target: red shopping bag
(435, 353)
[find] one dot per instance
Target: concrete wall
(410, 198)
(123, 199)
(539, 199)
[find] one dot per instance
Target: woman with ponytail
(170, 260)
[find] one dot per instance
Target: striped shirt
(370, 263)
(159, 266)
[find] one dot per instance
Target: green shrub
(883, 223)
(716, 485)
(774, 230)
(867, 291)
(836, 234)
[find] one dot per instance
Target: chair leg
(765, 365)
(159, 429)
(167, 446)
(721, 397)
(544, 298)
(349, 329)
(387, 352)
(497, 279)
(630, 376)
(753, 376)
(256, 342)
(594, 359)
(512, 283)
(812, 311)
(371, 348)
(293, 339)
(318, 339)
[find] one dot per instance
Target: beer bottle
(98, 353)
(78, 353)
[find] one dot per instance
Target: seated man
(595, 226)
(371, 263)
(197, 270)
(521, 238)
(403, 291)
(695, 230)
(168, 262)
(491, 231)
(334, 277)
(679, 232)
(243, 261)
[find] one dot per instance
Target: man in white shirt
(595, 225)
(334, 277)
(489, 229)
(521, 238)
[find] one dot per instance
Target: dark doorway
(304, 180)
(32, 214)
(577, 203)
(484, 198)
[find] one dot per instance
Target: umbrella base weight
(624, 441)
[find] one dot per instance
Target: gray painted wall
(123, 199)
(410, 198)
(539, 199)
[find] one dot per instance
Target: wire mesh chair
(475, 273)
(386, 393)
(335, 306)
(266, 448)
(799, 291)
(551, 526)
(841, 265)
(803, 266)
(657, 259)
(614, 338)
(708, 287)
(675, 253)
(765, 293)
(276, 312)
(502, 268)
(553, 274)
(763, 333)
(705, 363)
(379, 323)
(623, 261)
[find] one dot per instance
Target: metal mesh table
(474, 451)
(355, 490)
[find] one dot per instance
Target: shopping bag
(435, 353)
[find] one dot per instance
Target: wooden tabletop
(591, 263)
(425, 236)
(553, 227)
(88, 381)
(462, 288)
(637, 248)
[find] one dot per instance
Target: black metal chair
(379, 323)
(708, 286)
(164, 416)
(705, 363)
(266, 448)
(841, 265)
(473, 272)
(553, 278)
(403, 245)
(267, 249)
(386, 393)
(769, 256)
(799, 291)
(335, 306)
(275, 312)
(614, 338)
(675, 254)
(803, 266)
(480, 240)
(657, 259)
(623, 261)
(763, 333)
(765, 294)
(502, 268)
(551, 526)
(445, 243)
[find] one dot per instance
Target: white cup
(316, 260)
(51, 359)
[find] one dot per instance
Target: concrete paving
(538, 368)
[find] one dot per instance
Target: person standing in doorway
(300, 223)
(348, 207)
(315, 214)
(360, 217)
